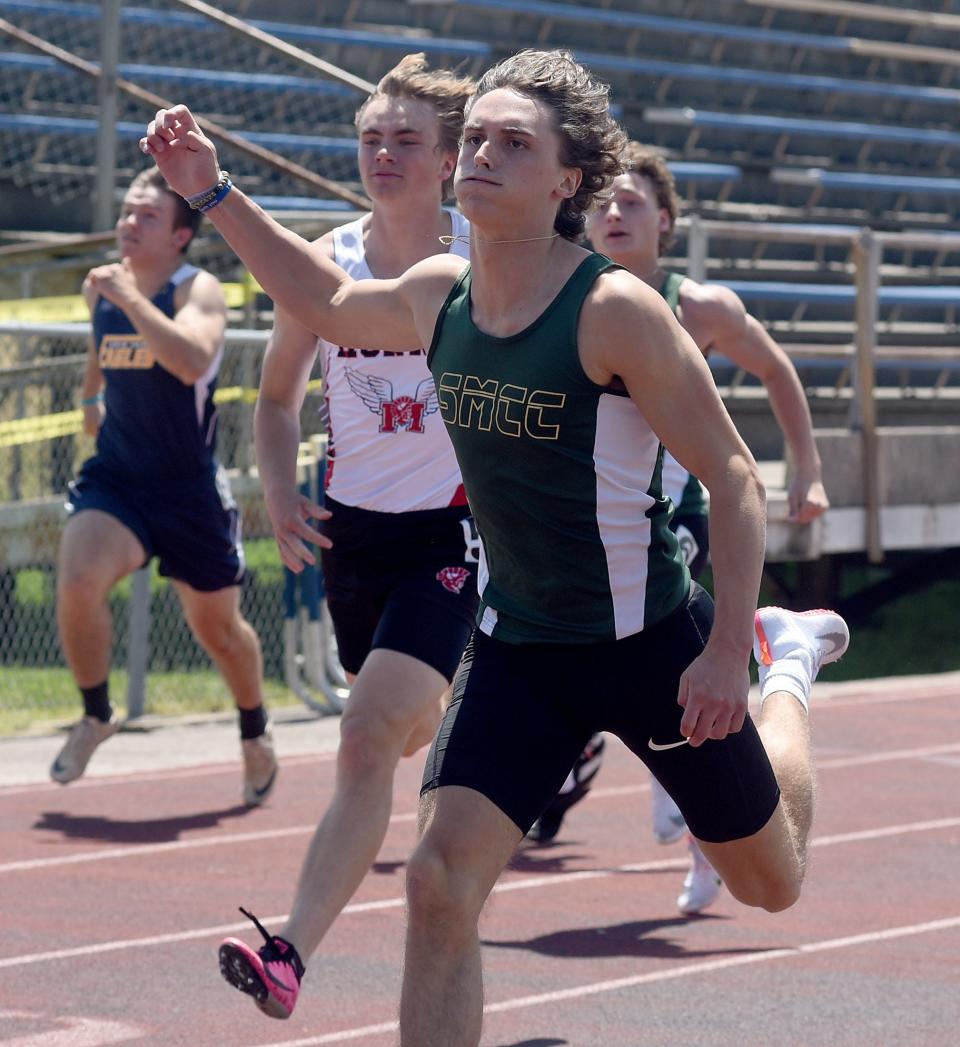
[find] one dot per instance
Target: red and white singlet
(388, 449)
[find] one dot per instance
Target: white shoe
(790, 647)
(702, 884)
(259, 768)
(85, 735)
(668, 823)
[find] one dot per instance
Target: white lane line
(887, 755)
(171, 775)
(116, 853)
(72, 1031)
(524, 884)
(113, 853)
(669, 974)
(840, 702)
(887, 830)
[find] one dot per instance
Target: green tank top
(682, 486)
(562, 476)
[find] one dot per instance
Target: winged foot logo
(396, 412)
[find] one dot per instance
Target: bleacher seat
(71, 125)
(760, 110)
(784, 125)
(547, 11)
(865, 181)
(778, 80)
(139, 72)
(180, 20)
(781, 291)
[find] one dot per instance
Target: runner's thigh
(725, 789)
(515, 725)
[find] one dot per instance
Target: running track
(114, 894)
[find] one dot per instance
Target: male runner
(401, 573)
(154, 487)
(634, 227)
(558, 375)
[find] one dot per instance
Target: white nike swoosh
(670, 745)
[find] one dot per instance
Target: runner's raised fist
(185, 156)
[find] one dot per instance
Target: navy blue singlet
(156, 427)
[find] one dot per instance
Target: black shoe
(577, 785)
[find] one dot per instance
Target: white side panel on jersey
(488, 619)
(201, 388)
(625, 457)
(201, 392)
(674, 478)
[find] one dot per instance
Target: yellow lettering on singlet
(474, 403)
(477, 401)
(124, 352)
(541, 401)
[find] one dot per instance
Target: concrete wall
(916, 466)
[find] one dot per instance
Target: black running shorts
(191, 525)
(522, 713)
(401, 581)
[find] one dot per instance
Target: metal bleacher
(809, 110)
(48, 111)
(731, 91)
(829, 115)
(785, 83)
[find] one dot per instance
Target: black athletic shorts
(192, 525)
(522, 713)
(402, 581)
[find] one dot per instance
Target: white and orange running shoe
(791, 646)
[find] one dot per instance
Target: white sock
(786, 674)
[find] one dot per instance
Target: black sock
(253, 722)
(96, 702)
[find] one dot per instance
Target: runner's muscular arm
(742, 339)
(286, 370)
(365, 314)
(627, 330)
(184, 345)
(287, 363)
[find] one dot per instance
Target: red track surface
(114, 897)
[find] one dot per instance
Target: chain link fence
(41, 448)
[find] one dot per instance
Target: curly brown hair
(444, 90)
(590, 139)
(652, 166)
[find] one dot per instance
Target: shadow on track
(139, 830)
(637, 938)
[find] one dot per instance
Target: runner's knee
(439, 894)
(222, 637)
(370, 744)
(767, 890)
(80, 583)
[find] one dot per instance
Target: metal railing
(866, 247)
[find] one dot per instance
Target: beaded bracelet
(209, 198)
(224, 188)
(92, 401)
